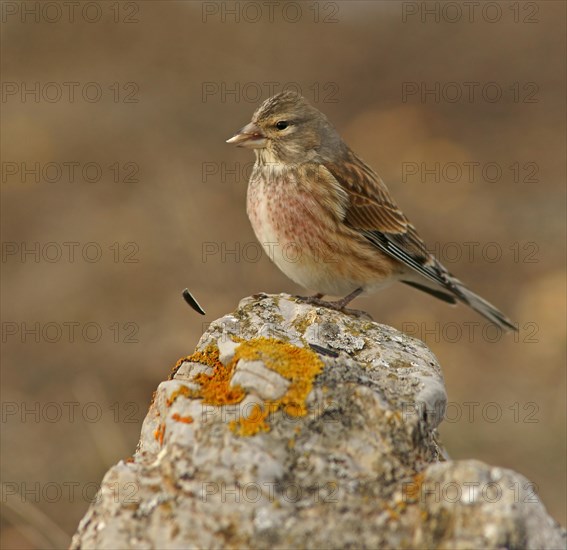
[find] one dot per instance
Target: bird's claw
(339, 305)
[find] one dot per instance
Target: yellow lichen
(185, 419)
(214, 388)
(159, 433)
(181, 390)
(255, 422)
(412, 491)
(298, 365)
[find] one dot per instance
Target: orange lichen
(159, 433)
(298, 365)
(412, 491)
(184, 419)
(214, 388)
(208, 356)
(181, 390)
(255, 421)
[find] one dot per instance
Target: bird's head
(287, 129)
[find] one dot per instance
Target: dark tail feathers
(455, 290)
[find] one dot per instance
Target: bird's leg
(339, 305)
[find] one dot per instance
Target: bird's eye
(282, 124)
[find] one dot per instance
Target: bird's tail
(454, 290)
(480, 305)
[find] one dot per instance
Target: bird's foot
(313, 300)
(339, 305)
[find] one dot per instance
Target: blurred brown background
(154, 195)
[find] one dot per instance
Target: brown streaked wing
(372, 210)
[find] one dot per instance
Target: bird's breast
(296, 218)
(282, 212)
(288, 220)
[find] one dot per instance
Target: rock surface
(294, 426)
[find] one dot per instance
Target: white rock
(254, 376)
(341, 476)
(227, 348)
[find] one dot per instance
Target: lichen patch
(299, 366)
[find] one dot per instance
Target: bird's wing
(372, 211)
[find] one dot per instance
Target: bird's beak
(250, 136)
